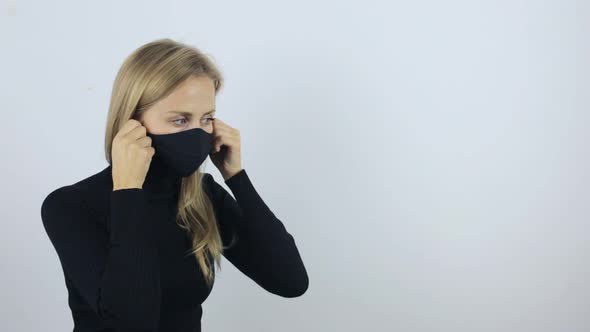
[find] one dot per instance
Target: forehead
(195, 96)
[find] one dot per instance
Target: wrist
(126, 186)
(229, 175)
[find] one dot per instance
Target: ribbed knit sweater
(127, 263)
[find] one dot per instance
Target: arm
(117, 274)
(264, 250)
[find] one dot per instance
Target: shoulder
(216, 192)
(208, 183)
(80, 197)
(207, 176)
(61, 195)
(239, 182)
(60, 203)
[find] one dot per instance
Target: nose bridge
(198, 125)
(195, 124)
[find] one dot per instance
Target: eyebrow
(185, 113)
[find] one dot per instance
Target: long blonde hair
(147, 75)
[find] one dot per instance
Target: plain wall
(430, 158)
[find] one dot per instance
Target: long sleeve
(117, 274)
(263, 250)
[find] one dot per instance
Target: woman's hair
(147, 75)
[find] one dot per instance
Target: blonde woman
(138, 242)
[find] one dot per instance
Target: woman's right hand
(131, 155)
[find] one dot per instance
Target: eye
(181, 119)
(209, 119)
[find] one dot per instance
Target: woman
(138, 241)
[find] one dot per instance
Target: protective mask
(182, 152)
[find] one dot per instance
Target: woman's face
(190, 105)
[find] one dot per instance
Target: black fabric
(171, 149)
(126, 262)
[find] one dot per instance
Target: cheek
(157, 127)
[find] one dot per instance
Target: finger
(136, 133)
(223, 140)
(145, 141)
(220, 131)
(224, 125)
(217, 143)
(219, 124)
(226, 130)
(129, 126)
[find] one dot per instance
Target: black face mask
(183, 152)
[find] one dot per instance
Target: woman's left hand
(226, 149)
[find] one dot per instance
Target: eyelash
(174, 121)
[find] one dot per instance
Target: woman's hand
(226, 152)
(131, 155)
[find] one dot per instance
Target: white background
(430, 158)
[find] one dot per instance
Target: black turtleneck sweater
(127, 264)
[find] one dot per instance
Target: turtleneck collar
(159, 180)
